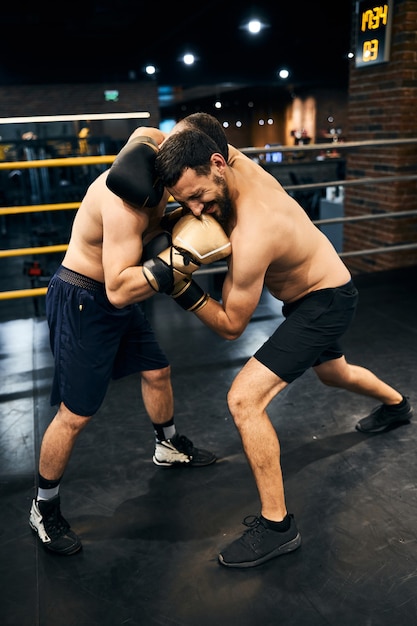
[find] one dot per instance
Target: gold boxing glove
(196, 241)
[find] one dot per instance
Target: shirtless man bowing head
(97, 329)
(274, 244)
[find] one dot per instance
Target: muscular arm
(124, 229)
(280, 248)
(242, 289)
(108, 234)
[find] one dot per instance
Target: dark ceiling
(109, 40)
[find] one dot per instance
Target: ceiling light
(283, 74)
(254, 26)
(188, 58)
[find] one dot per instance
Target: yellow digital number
(370, 50)
(374, 18)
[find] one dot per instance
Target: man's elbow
(117, 299)
(231, 334)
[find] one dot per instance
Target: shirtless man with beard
(274, 245)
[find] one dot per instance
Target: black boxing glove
(132, 174)
(170, 218)
(156, 245)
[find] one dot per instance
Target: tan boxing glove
(196, 241)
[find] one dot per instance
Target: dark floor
(151, 535)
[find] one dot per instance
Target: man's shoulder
(154, 134)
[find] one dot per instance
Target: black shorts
(93, 342)
(310, 332)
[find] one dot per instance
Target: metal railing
(216, 268)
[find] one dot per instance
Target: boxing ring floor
(151, 535)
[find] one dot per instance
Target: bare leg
(251, 392)
(60, 436)
(58, 442)
(339, 373)
(157, 395)
(45, 516)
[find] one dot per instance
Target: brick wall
(382, 105)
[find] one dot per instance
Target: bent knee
(330, 381)
(155, 377)
(335, 372)
(237, 402)
(70, 420)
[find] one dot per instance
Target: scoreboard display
(373, 33)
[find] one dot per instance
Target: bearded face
(223, 201)
(207, 192)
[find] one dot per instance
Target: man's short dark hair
(212, 127)
(189, 148)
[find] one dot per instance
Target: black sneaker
(259, 544)
(385, 417)
(180, 452)
(53, 530)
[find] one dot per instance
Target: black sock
(401, 405)
(43, 483)
(164, 431)
(281, 527)
(47, 489)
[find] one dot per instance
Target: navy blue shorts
(310, 332)
(93, 342)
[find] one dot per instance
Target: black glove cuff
(192, 297)
(162, 273)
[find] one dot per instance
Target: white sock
(47, 494)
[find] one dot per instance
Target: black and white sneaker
(180, 452)
(260, 543)
(385, 417)
(53, 530)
